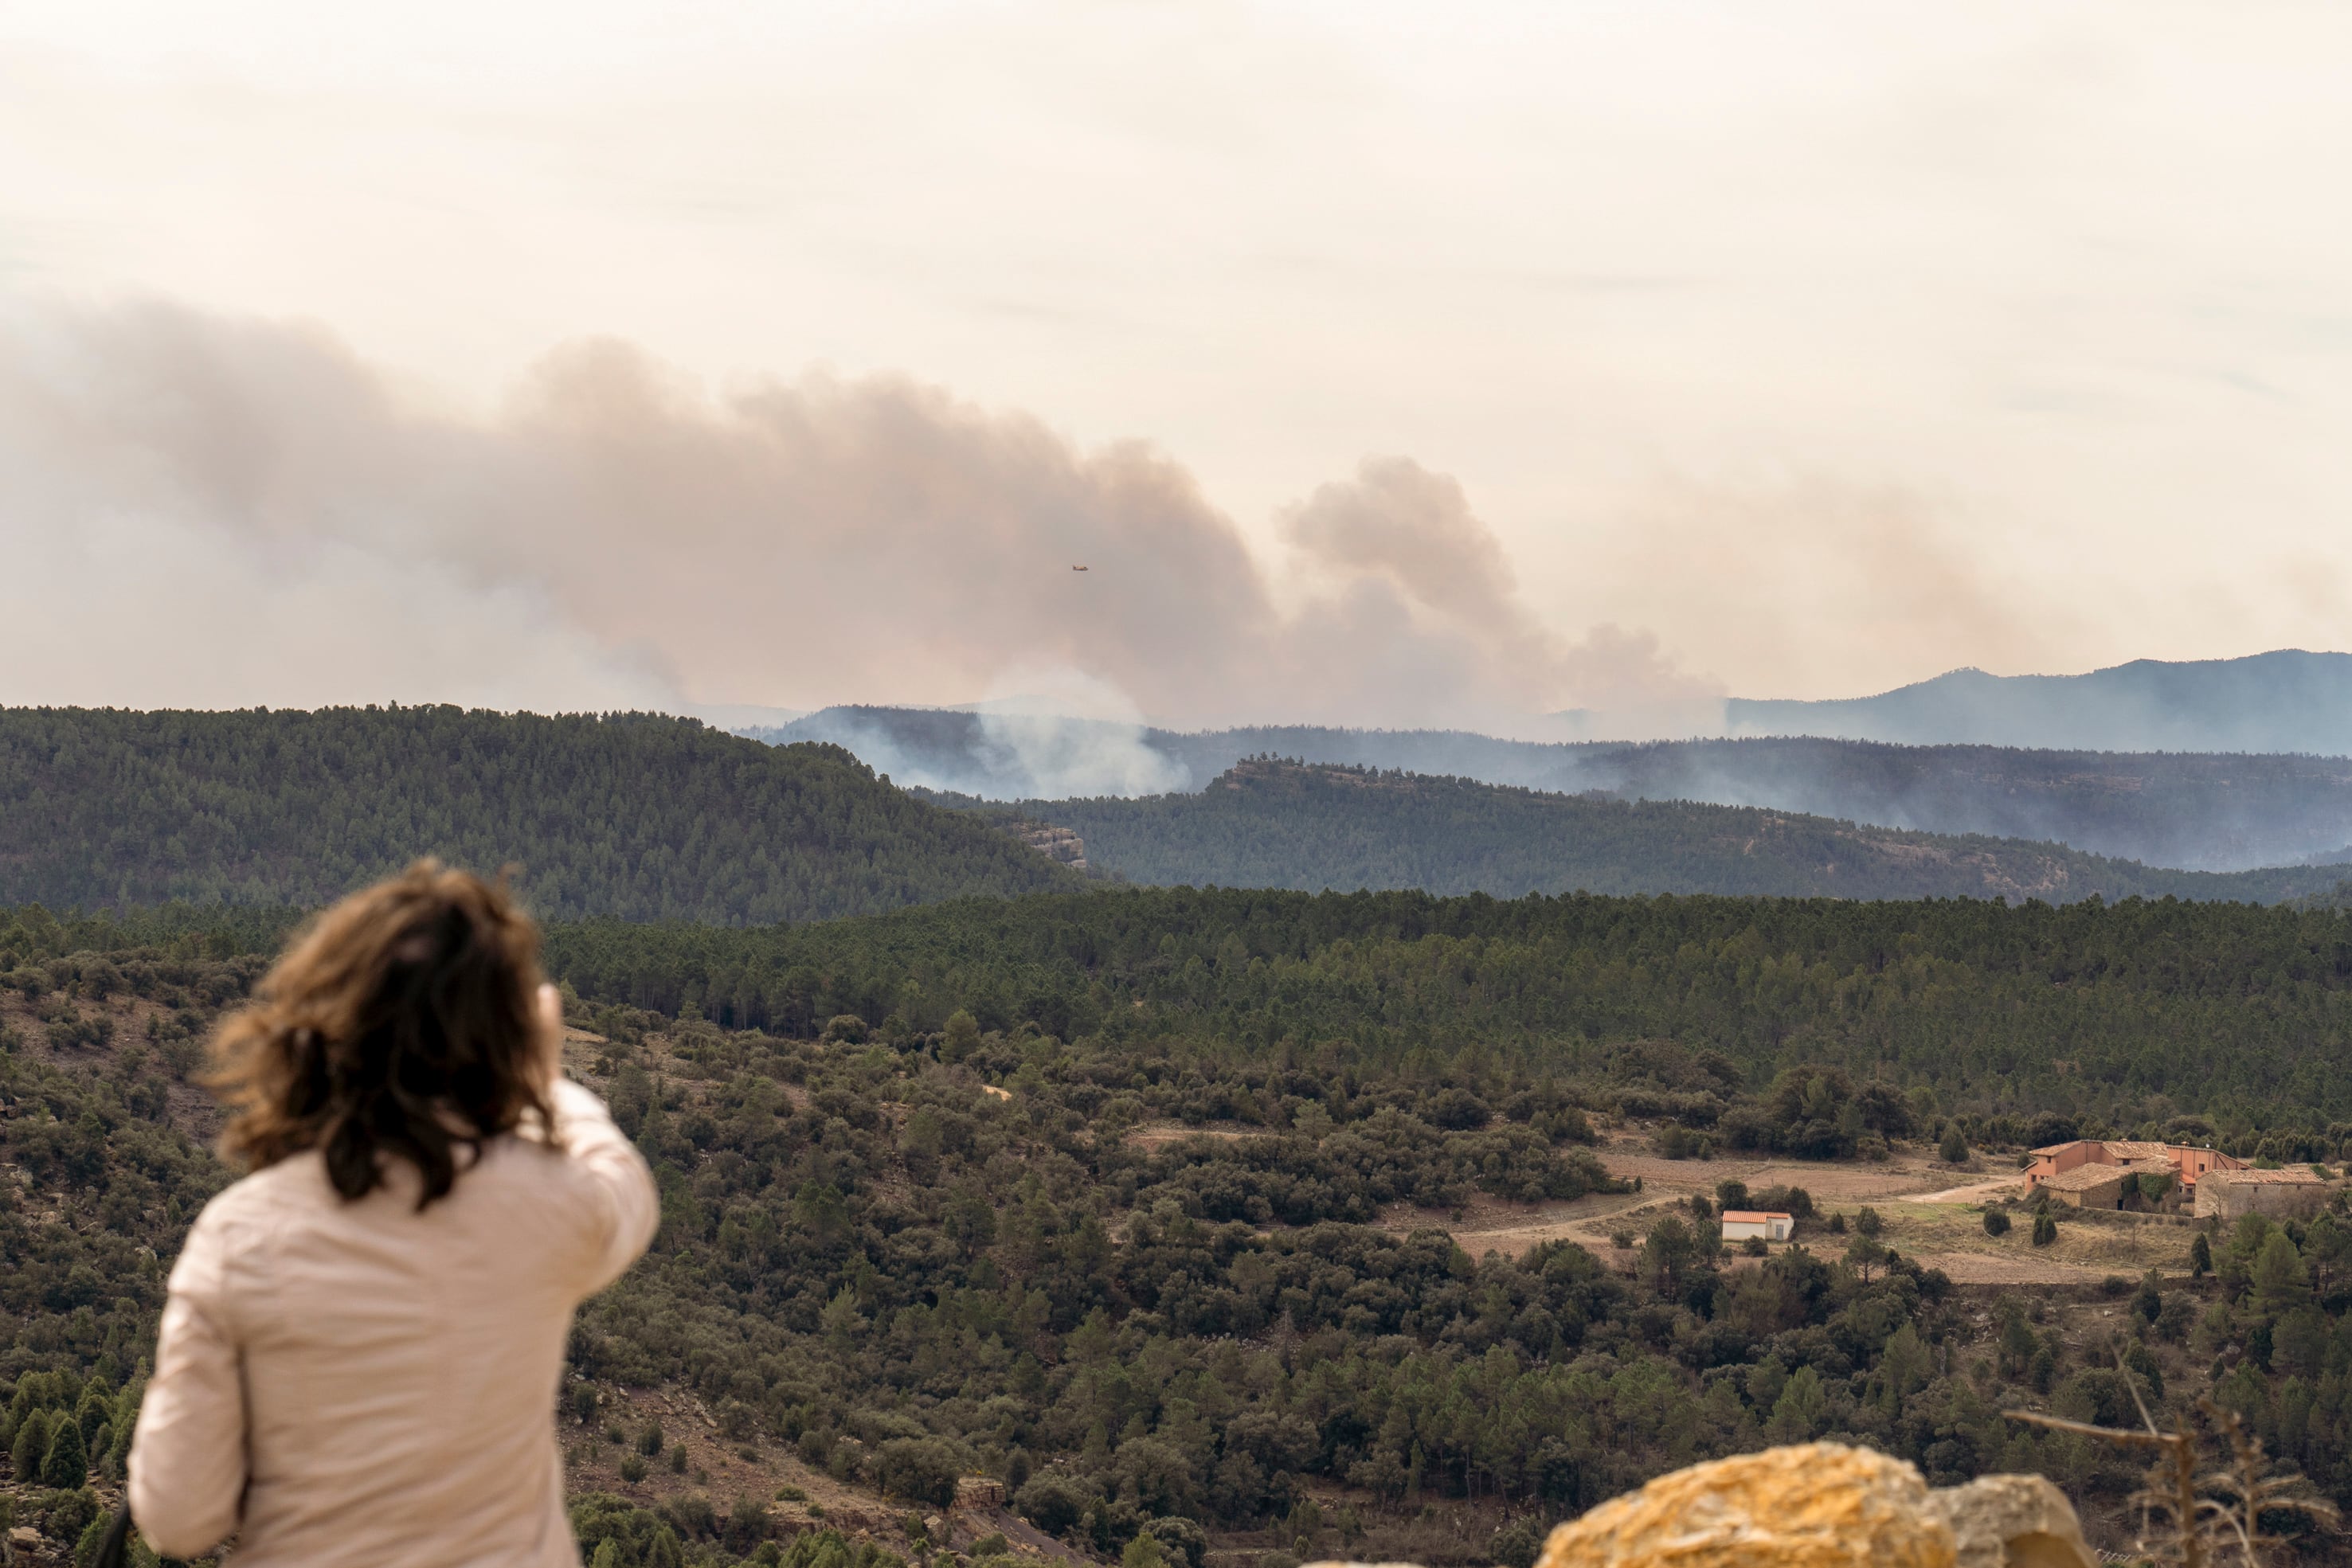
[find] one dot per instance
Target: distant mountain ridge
(2195, 811)
(1306, 827)
(2284, 701)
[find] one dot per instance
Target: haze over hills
(1283, 824)
(634, 816)
(2195, 811)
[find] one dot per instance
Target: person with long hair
(363, 1342)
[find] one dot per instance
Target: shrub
(1183, 1541)
(65, 1516)
(1676, 1142)
(1517, 1544)
(747, 1524)
(633, 1470)
(923, 1469)
(1793, 1201)
(1996, 1222)
(2045, 1229)
(738, 1420)
(1953, 1149)
(1053, 1503)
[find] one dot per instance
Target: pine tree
(2045, 1229)
(67, 1466)
(32, 1444)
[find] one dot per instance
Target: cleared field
(1929, 1211)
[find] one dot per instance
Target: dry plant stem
(2189, 1535)
(2189, 1539)
(2195, 1516)
(2179, 1447)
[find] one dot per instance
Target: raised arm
(628, 1210)
(629, 1207)
(188, 1451)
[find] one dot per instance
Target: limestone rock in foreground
(2012, 1522)
(1821, 1505)
(1818, 1505)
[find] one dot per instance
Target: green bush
(1053, 1502)
(1517, 1544)
(921, 1468)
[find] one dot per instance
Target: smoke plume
(216, 512)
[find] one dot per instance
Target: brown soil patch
(1149, 1135)
(1514, 1229)
(2032, 1268)
(1974, 1192)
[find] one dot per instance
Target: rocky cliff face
(1060, 845)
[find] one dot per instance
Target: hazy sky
(1387, 362)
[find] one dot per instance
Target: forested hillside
(956, 1224)
(2197, 812)
(2133, 1012)
(634, 816)
(1267, 823)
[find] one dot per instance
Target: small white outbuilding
(1763, 1225)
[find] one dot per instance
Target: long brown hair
(401, 1023)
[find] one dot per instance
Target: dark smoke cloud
(235, 511)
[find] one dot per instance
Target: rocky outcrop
(1060, 845)
(2012, 1522)
(1822, 1505)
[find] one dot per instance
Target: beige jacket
(363, 1383)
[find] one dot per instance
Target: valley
(1244, 1225)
